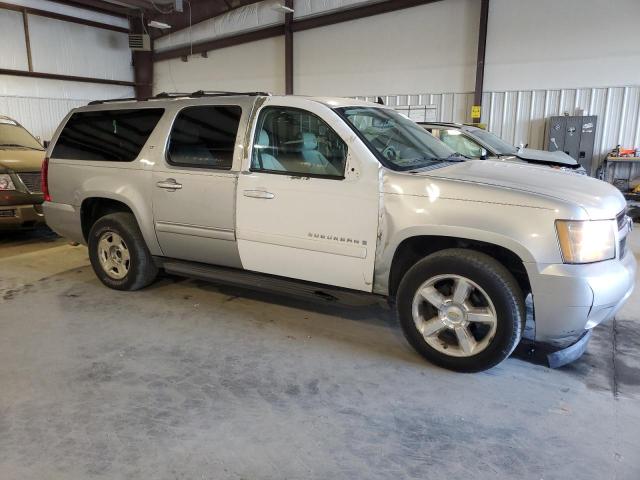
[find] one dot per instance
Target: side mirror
(483, 154)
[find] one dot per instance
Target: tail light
(44, 180)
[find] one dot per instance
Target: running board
(268, 283)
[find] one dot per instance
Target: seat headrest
(263, 138)
(309, 141)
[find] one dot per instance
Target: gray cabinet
(575, 136)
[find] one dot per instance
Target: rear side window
(204, 137)
(107, 135)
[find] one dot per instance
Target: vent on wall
(139, 41)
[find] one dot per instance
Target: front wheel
(461, 309)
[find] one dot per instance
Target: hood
(558, 157)
(21, 160)
(600, 199)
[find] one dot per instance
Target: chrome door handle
(259, 194)
(169, 184)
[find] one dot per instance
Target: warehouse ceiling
(193, 11)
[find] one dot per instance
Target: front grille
(31, 180)
(7, 213)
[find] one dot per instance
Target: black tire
(142, 270)
(496, 281)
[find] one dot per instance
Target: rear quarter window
(106, 135)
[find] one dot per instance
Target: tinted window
(204, 137)
(111, 135)
(290, 140)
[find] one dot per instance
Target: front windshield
(495, 143)
(13, 135)
(398, 142)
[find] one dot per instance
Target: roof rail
(215, 93)
(197, 94)
(98, 102)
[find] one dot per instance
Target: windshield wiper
(455, 157)
(18, 145)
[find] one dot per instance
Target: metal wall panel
(519, 117)
(40, 116)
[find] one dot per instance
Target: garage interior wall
(544, 58)
(65, 48)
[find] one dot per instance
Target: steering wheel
(390, 153)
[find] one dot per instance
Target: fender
(385, 255)
(116, 187)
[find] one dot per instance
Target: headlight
(6, 183)
(587, 241)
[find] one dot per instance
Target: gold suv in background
(21, 156)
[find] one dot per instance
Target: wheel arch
(95, 206)
(414, 247)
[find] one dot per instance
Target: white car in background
(476, 143)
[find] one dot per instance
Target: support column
(288, 49)
(476, 110)
(142, 65)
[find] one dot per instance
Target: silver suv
(341, 200)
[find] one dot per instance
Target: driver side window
(297, 142)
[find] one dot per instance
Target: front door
(303, 210)
(194, 190)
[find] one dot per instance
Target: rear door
(194, 186)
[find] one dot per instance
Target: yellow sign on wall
(476, 111)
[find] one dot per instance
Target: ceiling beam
(64, 18)
(96, 6)
(68, 78)
(356, 13)
(219, 43)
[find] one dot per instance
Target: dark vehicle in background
(21, 156)
(474, 142)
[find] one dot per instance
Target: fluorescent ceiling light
(160, 25)
(279, 7)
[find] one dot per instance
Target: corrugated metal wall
(519, 117)
(40, 116)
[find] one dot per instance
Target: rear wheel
(461, 309)
(118, 253)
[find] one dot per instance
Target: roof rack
(197, 94)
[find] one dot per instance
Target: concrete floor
(188, 380)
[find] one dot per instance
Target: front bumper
(570, 299)
(13, 217)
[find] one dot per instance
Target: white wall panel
(14, 49)
(520, 117)
(550, 44)
(425, 48)
(73, 11)
(72, 49)
(40, 116)
(40, 104)
(256, 66)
